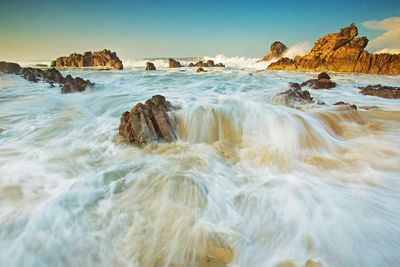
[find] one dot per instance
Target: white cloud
(389, 41)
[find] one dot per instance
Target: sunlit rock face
(341, 52)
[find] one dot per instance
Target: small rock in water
(323, 82)
(150, 66)
(199, 70)
(381, 91)
(346, 104)
(172, 63)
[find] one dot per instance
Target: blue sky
(47, 29)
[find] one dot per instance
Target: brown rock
(276, 51)
(323, 75)
(192, 64)
(150, 66)
(199, 70)
(72, 85)
(209, 63)
(346, 104)
(147, 123)
(9, 67)
(173, 63)
(341, 52)
(319, 84)
(381, 91)
(104, 58)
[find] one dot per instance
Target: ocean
(258, 180)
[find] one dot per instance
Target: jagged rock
(381, 91)
(150, 66)
(199, 70)
(209, 63)
(276, 51)
(68, 84)
(104, 58)
(341, 52)
(346, 104)
(148, 123)
(9, 67)
(173, 63)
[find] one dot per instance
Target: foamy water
(265, 182)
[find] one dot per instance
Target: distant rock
(150, 66)
(276, 51)
(68, 84)
(341, 52)
(104, 58)
(9, 67)
(209, 63)
(200, 70)
(173, 63)
(41, 65)
(148, 123)
(381, 91)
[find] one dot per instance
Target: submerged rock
(104, 58)
(72, 85)
(381, 91)
(200, 70)
(341, 52)
(150, 66)
(276, 51)
(148, 123)
(346, 104)
(172, 63)
(9, 67)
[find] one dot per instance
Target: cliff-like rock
(341, 52)
(104, 58)
(276, 51)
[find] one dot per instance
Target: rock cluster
(381, 91)
(322, 82)
(172, 63)
(209, 63)
(148, 123)
(276, 51)
(341, 52)
(150, 66)
(104, 58)
(68, 84)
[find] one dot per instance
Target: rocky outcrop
(68, 84)
(276, 51)
(148, 123)
(341, 52)
(104, 58)
(322, 82)
(209, 63)
(9, 67)
(150, 66)
(200, 70)
(381, 91)
(172, 63)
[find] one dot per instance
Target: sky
(41, 30)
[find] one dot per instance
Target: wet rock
(341, 52)
(390, 92)
(150, 66)
(72, 85)
(173, 63)
(104, 58)
(200, 70)
(323, 82)
(9, 67)
(323, 75)
(192, 64)
(277, 50)
(346, 104)
(209, 63)
(148, 123)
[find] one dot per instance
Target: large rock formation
(276, 51)
(341, 52)
(172, 63)
(381, 91)
(148, 123)
(104, 58)
(68, 84)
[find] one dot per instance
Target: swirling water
(271, 183)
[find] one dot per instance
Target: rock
(209, 63)
(72, 85)
(199, 70)
(276, 51)
(173, 63)
(341, 52)
(41, 65)
(148, 123)
(192, 64)
(104, 58)
(150, 66)
(381, 91)
(323, 75)
(294, 97)
(319, 84)
(9, 67)
(346, 104)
